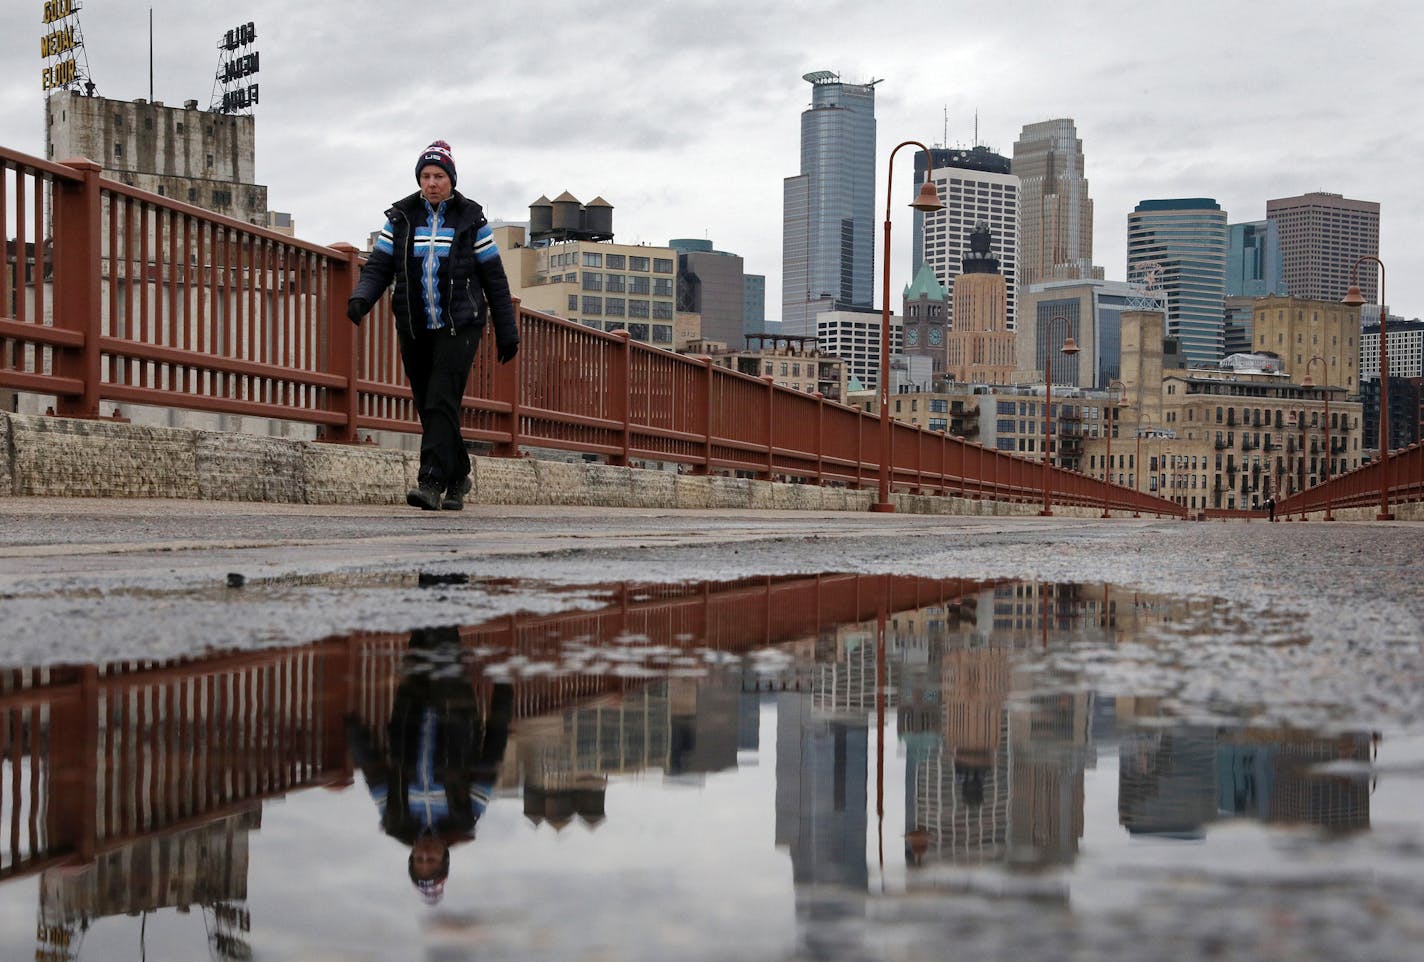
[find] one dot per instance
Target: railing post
(78, 303)
(706, 466)
(770, 422)
(508, 386)
(343, 341)
(620, 380)
(820, 437)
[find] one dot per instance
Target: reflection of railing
(99, 757)
(158, 302)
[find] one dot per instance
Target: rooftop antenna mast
(976, 126)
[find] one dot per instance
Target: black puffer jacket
(472, 285)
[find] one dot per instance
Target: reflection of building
(821, 789)
(204, 867)
(1175, 781)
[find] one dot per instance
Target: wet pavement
(229, 730)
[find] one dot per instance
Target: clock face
(936, 336)
(912, 336)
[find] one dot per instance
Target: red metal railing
(158, 302)
(1361, 487)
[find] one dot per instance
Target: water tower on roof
(566, 218)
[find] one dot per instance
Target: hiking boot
(455, 495)
(425, 496)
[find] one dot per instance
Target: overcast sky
(685, 115)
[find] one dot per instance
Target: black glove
(356, 309)
(507, 350)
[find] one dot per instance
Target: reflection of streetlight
(1326, 387)
(1070, 348)
(926, 200)
(1108, 418)
(1353, 298)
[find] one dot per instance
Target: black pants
(438, 365)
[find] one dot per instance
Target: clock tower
(926, 318)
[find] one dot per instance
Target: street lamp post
(1353, 298)
(1108, 419)
(1328, 452)
(1137, 459)
(926, 200)
(1070, 348)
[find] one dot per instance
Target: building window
(637, 264)
(662, 310)
(638, 309)
(592, 259)
(639, 331)
(222, 198)
(573, 302)
(662, 333)
(662, 265)
(118, 150)
(616, 262)
(592, 305)
(613, 306)
(615, 283)
(638, 285)
(210, 160)
(592, 281)
(662, 286)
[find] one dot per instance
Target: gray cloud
(685, 116)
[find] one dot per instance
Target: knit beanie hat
(438, 154)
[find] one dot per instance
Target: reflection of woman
(442, 756)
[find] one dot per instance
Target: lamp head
(1070, 346)
(927, 199)
(1307, 382)
(1353, 297)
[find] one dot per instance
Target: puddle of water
(827, 767)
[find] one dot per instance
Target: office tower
(976, 186)
(1094, 310)
(1179, 246)
(1322, 236)
(828, 235)
(980, 348)
(710, 283)
(1056, 213)
(191, 155)
(1253, 260)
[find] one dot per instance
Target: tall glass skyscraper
(1253, 260)
(1178, 247)
(828, 230)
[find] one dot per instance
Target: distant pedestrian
(1271, 508)
(439, 250)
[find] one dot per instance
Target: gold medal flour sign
(59, 42)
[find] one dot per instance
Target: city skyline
(521, 121)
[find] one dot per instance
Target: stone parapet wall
(62, 457)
